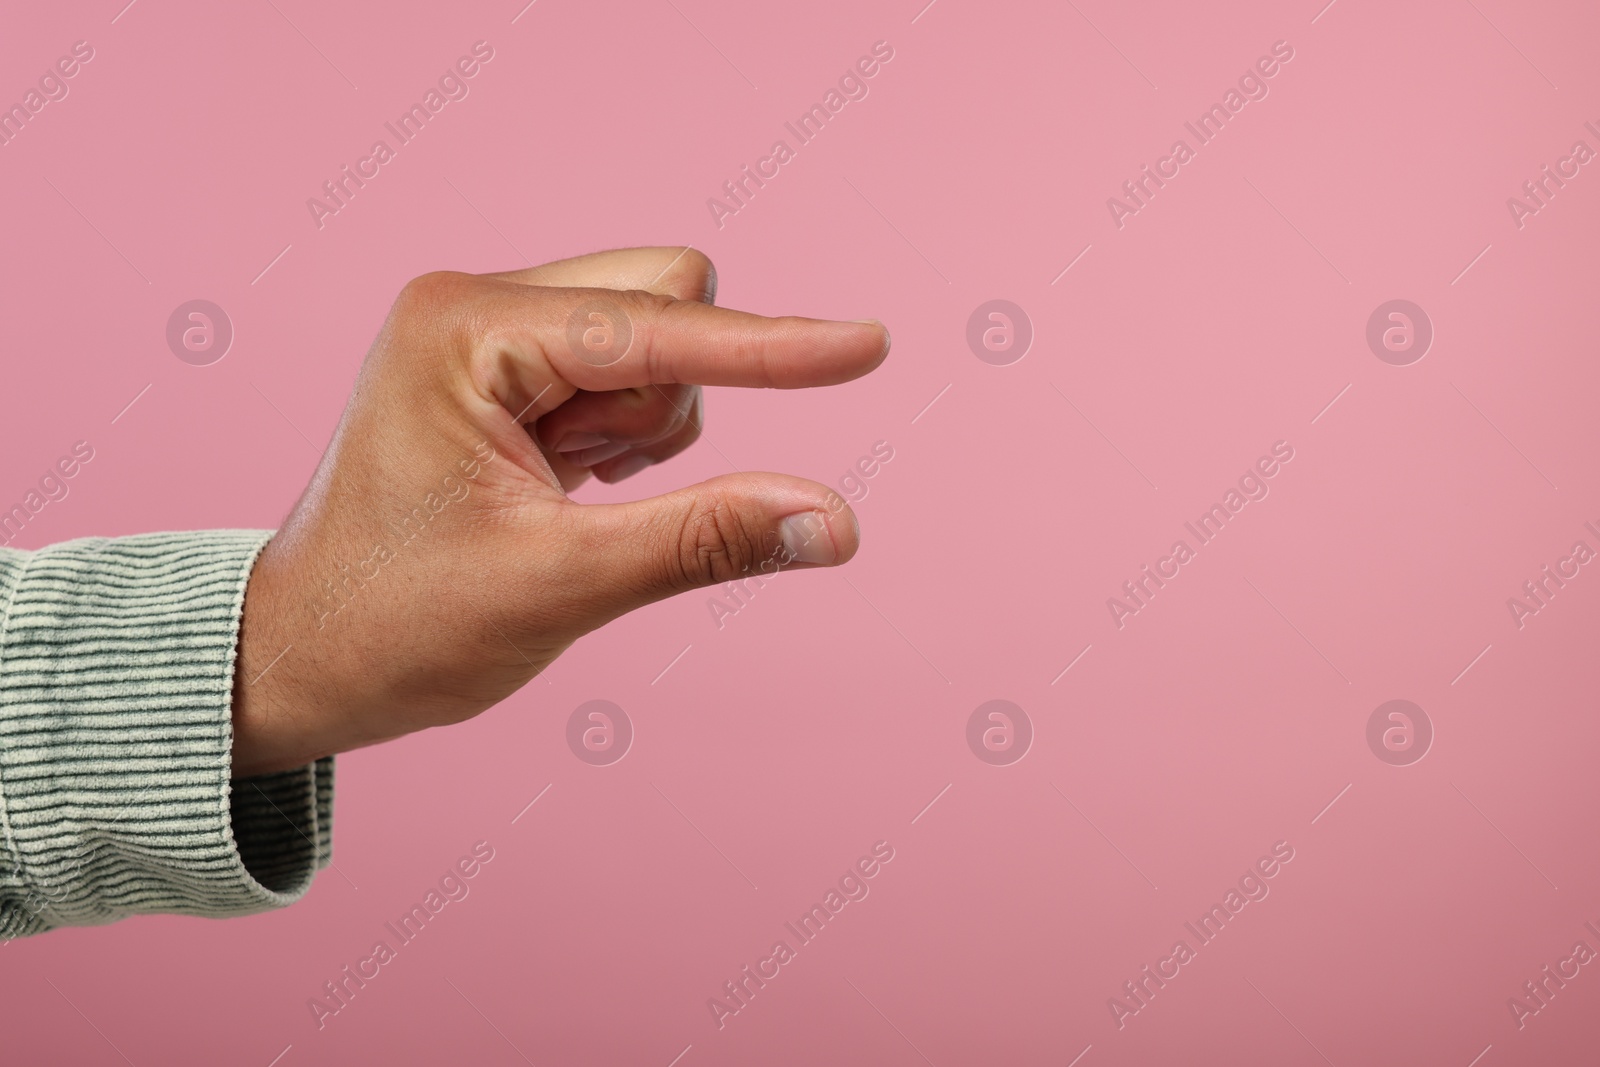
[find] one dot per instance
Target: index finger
(601, 339)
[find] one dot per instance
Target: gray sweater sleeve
(116, 736)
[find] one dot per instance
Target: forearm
(117, 660)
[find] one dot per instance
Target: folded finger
(624, 417)
(677, 271)
(641, 457)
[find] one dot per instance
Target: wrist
(276, 721)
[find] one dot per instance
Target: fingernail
(806, 537)
(627, 468)
(574, 441)
(588, 457)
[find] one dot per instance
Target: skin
(464, 418)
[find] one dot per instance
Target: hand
(435, 563)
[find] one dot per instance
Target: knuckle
(669, 410)
(645, 306)
(689, 433)
(437, 319)
(689, 274)
(428, 293)
(646, 313)
(691, 417)
(695, 261)
(716, 543)
(697, 276)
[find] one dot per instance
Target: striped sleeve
(116, 735)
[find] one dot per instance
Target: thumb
(732, 527)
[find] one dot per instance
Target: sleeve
(116, 736)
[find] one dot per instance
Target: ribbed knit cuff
(116, 735)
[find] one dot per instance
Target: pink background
(826, 716)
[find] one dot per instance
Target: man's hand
(435, 564)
